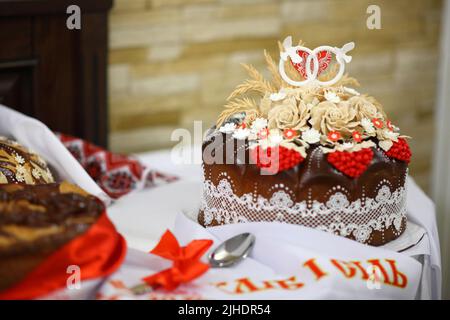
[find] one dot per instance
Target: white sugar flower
(259, 124)
(332, 97)
(241, 133)
(228, 128)
(367, 125)
(275, 137)
(21, 171)
(311, 136)
(351, 91)
(19, 159)
(36, 173)
(278, 96)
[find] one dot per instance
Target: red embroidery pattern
(116, 174)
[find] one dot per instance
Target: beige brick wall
(175, 61)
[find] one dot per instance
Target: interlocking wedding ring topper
(317, 60)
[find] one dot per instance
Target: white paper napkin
(36, 136)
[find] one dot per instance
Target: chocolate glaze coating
(312, 178)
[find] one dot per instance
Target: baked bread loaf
(320, 154)
(369, 208)
(37, 220)
(19, 165)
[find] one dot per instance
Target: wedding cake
(306, 148)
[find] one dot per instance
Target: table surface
(144, 215)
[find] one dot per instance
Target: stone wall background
(175, 61)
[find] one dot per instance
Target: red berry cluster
(275, 159)
(352, 164)
(400, 151)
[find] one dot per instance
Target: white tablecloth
(143, 216)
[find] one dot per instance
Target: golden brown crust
(37, 220)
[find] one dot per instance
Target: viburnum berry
(352, 164)
(400, 151)
(275, 159)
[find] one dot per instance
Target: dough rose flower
(366, 108)
(289, 115)
(328, 116)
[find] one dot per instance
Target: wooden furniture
(52, 73)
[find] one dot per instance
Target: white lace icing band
(338, 215)
(292, 52)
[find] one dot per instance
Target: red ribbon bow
(98, 252)
(186, 261)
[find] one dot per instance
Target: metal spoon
(228, 253)
(232, 250)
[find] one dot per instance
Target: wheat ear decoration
(277, 82)
(238, 105)
(257, 83)
(346, 80)
(330, 74)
